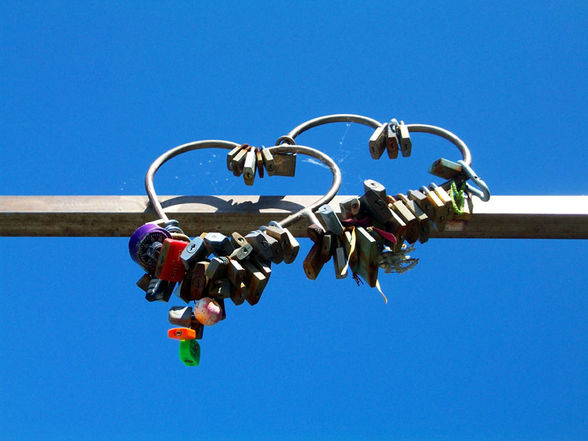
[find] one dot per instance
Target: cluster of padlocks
(239, 270)
(373, 231)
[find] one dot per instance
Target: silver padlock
(330, 219)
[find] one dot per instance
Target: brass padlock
(404, 139)
(198, 280)
(313, 263)
(446, 169)
(255, 282)
(421, 216)
(284, 164)
(350, 207)
(439, 209)
(239, 161)
(239, 293)
(371, 186)
(268, 161)
(235, 272)
(412, 224)
(259, 159)
(391, 142)
(378, 142)
(287, 241)
(231, 156)
(249, 167)
(445, 198)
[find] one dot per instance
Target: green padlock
(190, 352)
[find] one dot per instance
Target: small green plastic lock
(190, 352)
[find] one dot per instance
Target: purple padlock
(141, 244)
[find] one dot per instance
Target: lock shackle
(307, 211)
(415, 128)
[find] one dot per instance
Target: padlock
(255, 282)
(368, 250)
(287, 241)
(218, 244)
(249, 167)
(412, 224)
(445, 198)
(184, 289)
(190, 352)
(330, 219)
(350, 207)
(143, 282)
(238, 294)
(237, 240)
(180, 315)
(423, 202)
(263, 265)
(197, 327)
(268, 161)
(371, 186)
(208, 311)
(421, 216)
(220, 289)
(259, 160)
(339, 260)
(326, 244)
(284, 164)
(194, 252)
(315, 233)
(198, 280)
(382, 215)
(391, 141)
(235, 272)
(277, 252)
(404, 139)
(439, 209)
(159, 290)
(231, 156)
(217, 268)
(313, 263)
(260, 244)
(169, 265)
(181, 333)
(141, 241)
(378, 142)
(239, 160)
(446, 169)
(241, 253)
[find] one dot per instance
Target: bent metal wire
(240, 268)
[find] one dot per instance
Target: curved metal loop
(285, 139)
(229, 145)
(327, 119)
(484, 192)
(422, 128)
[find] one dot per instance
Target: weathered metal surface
(527, 217)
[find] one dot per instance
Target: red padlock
(169, 265)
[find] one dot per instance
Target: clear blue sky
(484, 339)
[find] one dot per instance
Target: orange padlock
(169, 265)
(182, 333)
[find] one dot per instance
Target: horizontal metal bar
(526, 217)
